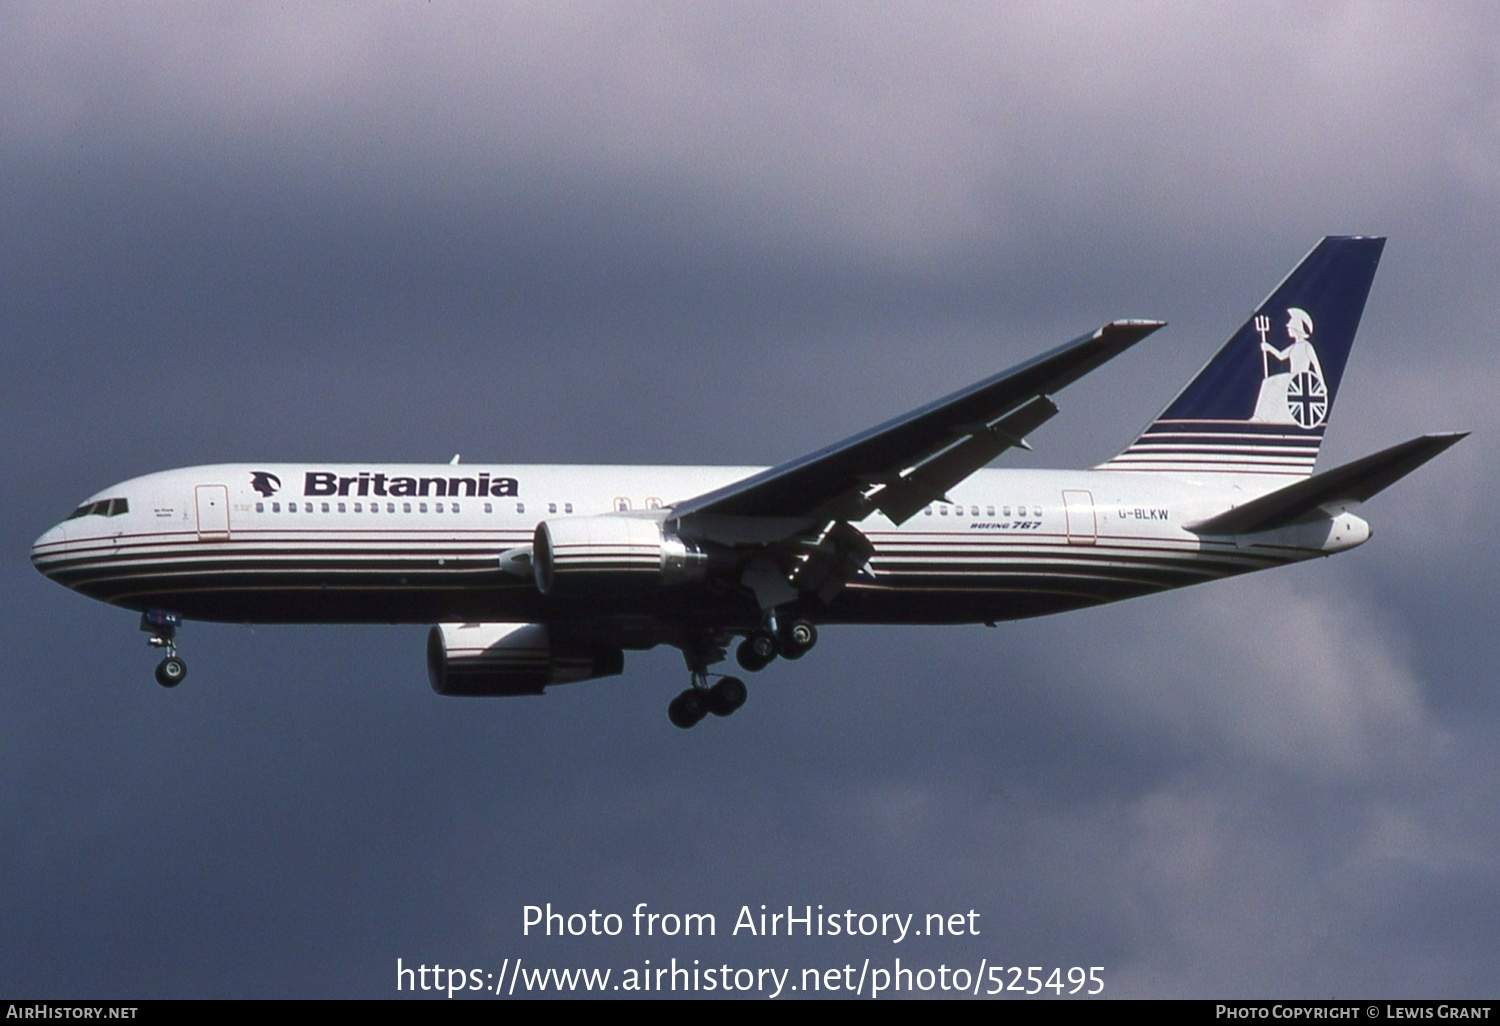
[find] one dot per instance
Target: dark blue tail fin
(1260, 405)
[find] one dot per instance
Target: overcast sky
(734, 233)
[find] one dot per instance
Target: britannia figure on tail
(1292, 390)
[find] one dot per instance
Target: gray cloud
(672, 233)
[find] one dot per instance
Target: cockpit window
(103, 508)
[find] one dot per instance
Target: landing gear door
(1078, 506)
(213, 512)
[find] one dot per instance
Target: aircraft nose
(46, 549)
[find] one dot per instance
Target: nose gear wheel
(162, 626)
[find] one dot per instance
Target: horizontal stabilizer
(1325, 493)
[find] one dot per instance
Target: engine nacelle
(611, 553)
(493, 659)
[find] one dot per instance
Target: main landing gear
(790, 640)
(722, 698)
(163, 630)
(689, 708)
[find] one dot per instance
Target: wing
(902, 465)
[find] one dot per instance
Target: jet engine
(611, 553)
(493, 659)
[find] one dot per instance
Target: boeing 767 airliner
(541, 575)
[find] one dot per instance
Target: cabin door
(1078, 506)
(213, 512)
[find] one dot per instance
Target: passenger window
(942, 511)
(406, 507)
(343, 508)
(551, 507)
(260, 507)
(489, 507)
(973, 511)
(1036, 511)
(520, 507)
(390, 507)
(567, 507)
(989, 511)
(421, 507)
(359, 507)
(275, 507)
(325, 507)
(928, 511)
(455, 507)
(374, 507)
(1006, 511)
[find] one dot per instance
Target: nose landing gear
(163, 630)
(170, 671)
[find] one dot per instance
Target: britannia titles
(320, 482)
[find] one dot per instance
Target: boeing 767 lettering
(543, 575)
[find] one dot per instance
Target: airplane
(543, 575)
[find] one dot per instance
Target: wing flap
(1331, 491)
(930, 481)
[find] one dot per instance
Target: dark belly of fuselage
(954, 585)
(291, 598)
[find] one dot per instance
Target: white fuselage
(275, 543)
